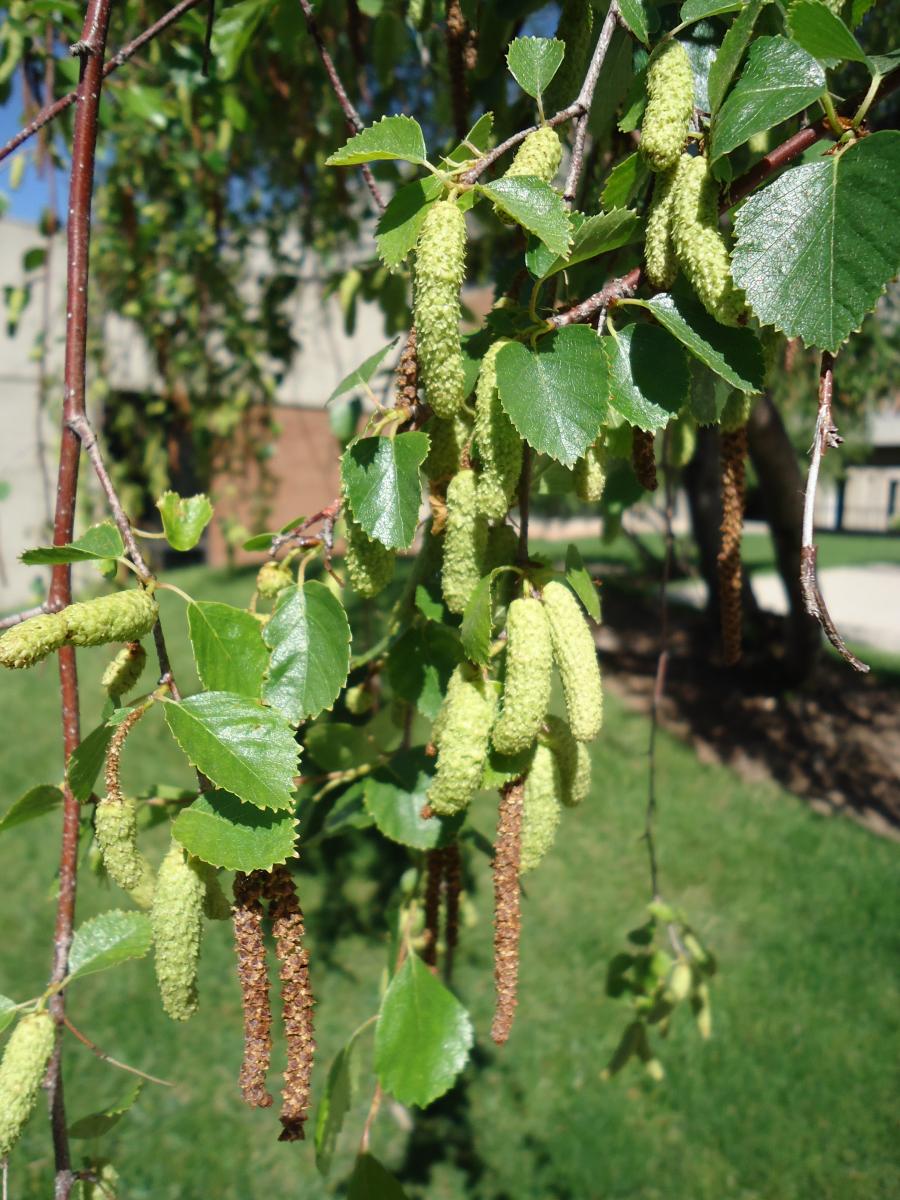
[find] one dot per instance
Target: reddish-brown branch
(615, 289)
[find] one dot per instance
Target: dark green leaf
(363, 373)
(98, 1123)
(822, 33)
(779, 80)
(395, 796)
(698, 10)
(309, 637)
(579, 580)
(107, 940)
(503, 768)
(228, 648)
(337, 1100)
(421, 663)
(371, 1181)
(397, 137)
(184, 519)
(401, 222)
(634, 14)
(555, 395)
(221, 830)
(240, 746)
(535, 206)
(624, 181)
(648, 375)
(884, 64)
(36, 802)
(593, 235)
(475, 631)
(381, 482)
(816, 248)
(34, 258)
(730, 53)
(100, 541)
(339, 746)
(635, 102)
(533, 61)
(423, 1036)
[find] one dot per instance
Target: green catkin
(576, 21)
(27, 643)
(125, 669)
(659, 248)
(540, 155)
(177, 920)
(271, 578)
(462, 734)
(699, 244)
(573, 759)
(576, 658)
(540, 808)
(115, 827)
(670, 106)
(736, 412)
(440, 266)
(465, 542)
(499, 445)
(21, 1071)
(590, 473)
(529, 666)
(502, 547)
(370, 564)
(122, 617)
(447, 441)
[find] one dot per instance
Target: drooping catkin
(576, 20)
(576, 658)
(733, 459)
(125, 670)
(253, 974)
(574, 761)
(699, 244)
(540, 807)
(272, 577)
(590, 473)
(122, 617)
(21, 1071)
(434, 880)
(682, 435)
(529, 667)
(659, 248)
(30, 641)
(296, 999)
(465, 541)
(370, 564)
(539, 155)
(499, 445)
(440, 267)
(115, 824)
(177, 920)
(507, 914)
(462, 734)
(670, 106)
(447, 439)
(643, 459)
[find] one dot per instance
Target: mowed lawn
(794, 1098)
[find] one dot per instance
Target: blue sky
(27, 202)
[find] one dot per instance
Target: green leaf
(241, 746)
(395, 796)
(579, 580)
(735, 354)
(816, 247)
(822, 33)
(229, 650)
(87, 761)
(232, 34)
(423, 1036)
(8, 1012)
(730, 53)
(96, 1124)
(309, 637)
(778, 81)
(536, 206)
(100, 541)
(593, 235)
(106, 940)
(555, 395)
(421, 663)
(221, 830)
(363, 373)
(340, 746)
(370, 1181)
(381, 481)
(475, 631)
(624, 180)
(698, 10)
(634, 14)
(884, 64)
(503, 768)
(184, 519)
(533, 61)
(648, 375)
(37, 802)
(337, 1100)
(397, 137)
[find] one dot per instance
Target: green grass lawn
(792, 1099)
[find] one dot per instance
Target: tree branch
(586, 99)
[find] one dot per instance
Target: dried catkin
(540, 808)
(465, 541)
(125, 670)
(31, 641)
(434, 878)
(406, 376)
(440, 266)
(296, 999)
(461, 732)
(21, 1071)
(670, 106)
(733, 456)
(177, 920)
(122, 617)
(529, 668)
(250, 947)
(499, 445)
(507, 916)
(576, 658)
(659, 248)
(115, 825)
(699, 244)
(370, 564)
(643, 459)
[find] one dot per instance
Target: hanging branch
(826, 436)
(585, 99)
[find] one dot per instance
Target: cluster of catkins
(683, 221)
(121, 617)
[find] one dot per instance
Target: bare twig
(108, 1058)
(615, 289)
(16, 618)
(586, 98)
(826, 436)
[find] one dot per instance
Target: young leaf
(475, 631)
(363, 373)
(648, 375)
(593, 235)
(534, 205)
(779, 80)
(390, 138)
(241, 746)
(309, 637)
(555, 395)
(35, 803)
(634, 14)
(730, 53)
(370, 1181)
(100, 541)
(221, 830)
(395, 796)
(816, 248)
(580, 581)
(106, 940)
(336, 1102)
(184, 519)
(822, 33)
(533, 61)
(381, 482)
(98, 1123)
(423, 1036)
(8, 1012)
(229, 650)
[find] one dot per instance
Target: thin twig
(108, 1058)
(615, 289)
(585, 100)
(16, 618)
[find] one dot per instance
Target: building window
(892, 497)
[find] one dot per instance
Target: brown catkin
(434, 878)
(452, 889)
(643, 459)
(297, 1001)
(507, 917)
(407, 373)
(733, 458)
(250, 947)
